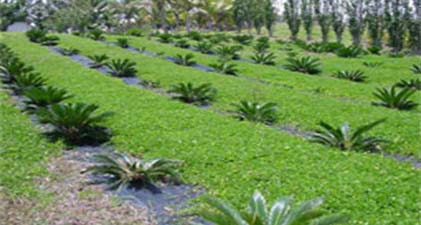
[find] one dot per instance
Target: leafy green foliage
(12, 68)
(41, 37)
(228, 52)
(414, 84)
(75, 122)
(243, 39)
(165, 38)
(98, 60)
(123, 42)
(262, 45)
(122, 68)
(185, 60)
(135, 32)
(128, 171)
(395, 99)
(321, 47)
(350, 52)
(27, 81)
(416, 68)
(375, 50)
(305, 64)
(204, 47)
(96, 34)
(188, 93)
(194, 35)
(182, 43)
(69, 51)
(264, 58)
(256, 112)
(345, 139)
(41, 97)
(225, 68)
(258, 212)
(352, 75)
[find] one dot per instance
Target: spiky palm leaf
(346, 139)
(264, 58)
(243, 39)
(256, 112)
(127, 171)
(259, 213)
(204, 47)
(395, 99)
(225, 68)
(228, 52)
(416, 68)
(123, 42)
(414, 84)
(165, 38)
(96, 34)
(352, 75)
(98, 60)
(41, 37)
(304, 64)
(13, 68)
(188, 93)
(350, 52)
(40, 97)
(122, 68)
(262, 46)
(76, 122)
(28, 81)
(185, 60)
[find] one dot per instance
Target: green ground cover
(23, 151)
(304, 110)
(228, 157)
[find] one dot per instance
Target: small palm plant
(352, 75)
(127, 171)
(182, 43)
(122, 68)
(96, 34)
(41, 97)
(228, 52)
(395, 99)
(40, 36)
(98, 60)
(414, 84)
(344, 139)
(243, 39)
(225, 68)
(188, 93)
(123, 42)
(204, 47)
(258, 212)
(165, 38)
(13, 68)
(185, 60)
(262, 46)
(28, 81)
(264, 58)
(304, 64)
(69, 51)
(76, 122)
(350, 52)
(256, 112)
(416, 68)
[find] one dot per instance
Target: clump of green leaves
(127, 171)
(98, 60)
(182, 43)
(28, 81)
(96, 34)
(228, 52)
(12, 68)
(395, 99)
(204, 47)
(76, 123)
(414, 84)
(165, 38)
(256, 112)
(188, 93)
(69, 51)
(264, 58)
(41, 37)
(123, 42)
(304, 64)
(372, 64)
(416, 68)
(243, 39)
(258, 212)
(350, 52)
(185, 60)
(345, 139)
(225, 68)
(122, 68)
(41, 97)
(352, 75)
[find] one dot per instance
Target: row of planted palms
(77, 125)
